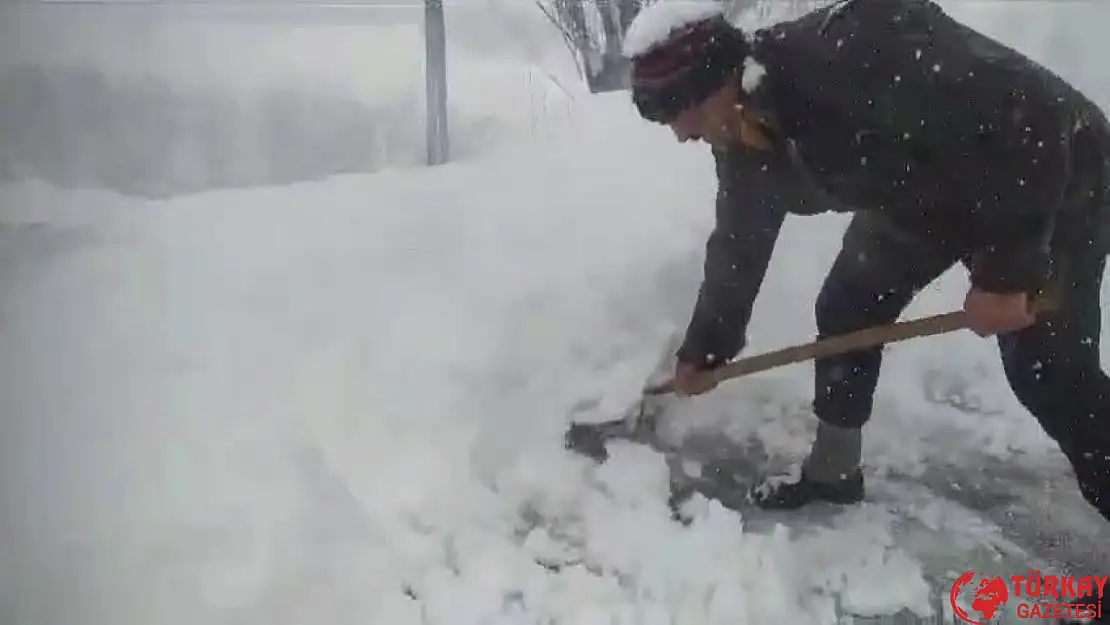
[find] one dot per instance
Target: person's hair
(687, 68)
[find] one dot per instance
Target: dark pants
(1052, 367)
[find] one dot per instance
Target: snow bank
(343, 402)
(320, 412)
(232, 97)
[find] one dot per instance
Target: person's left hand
(997, 313)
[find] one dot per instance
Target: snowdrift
(163, 100)
(342, 402)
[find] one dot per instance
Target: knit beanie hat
(691, 63)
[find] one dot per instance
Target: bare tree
(594, 31)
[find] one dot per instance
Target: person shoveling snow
(949, 147)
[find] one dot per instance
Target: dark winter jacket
(893, 106)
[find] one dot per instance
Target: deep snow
(342, 402)
(163, 99)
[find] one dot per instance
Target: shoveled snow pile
(343, 402)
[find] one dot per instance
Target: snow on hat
(681, 53)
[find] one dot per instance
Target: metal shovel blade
(637, 423)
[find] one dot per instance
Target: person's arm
(737, 255)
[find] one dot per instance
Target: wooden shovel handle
(861, 339)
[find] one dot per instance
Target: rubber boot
(831, 474)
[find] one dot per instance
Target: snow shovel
(638, 423)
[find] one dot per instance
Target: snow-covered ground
(160, 99)
(342, 401)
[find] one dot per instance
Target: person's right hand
(690, 380)
(998, 313)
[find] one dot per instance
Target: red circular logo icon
(990, 596)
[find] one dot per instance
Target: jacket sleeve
(737, 255)
(1020, 193)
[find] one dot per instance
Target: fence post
(435, 76)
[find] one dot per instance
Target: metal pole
(435, 74)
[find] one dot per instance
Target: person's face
(716, 120)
